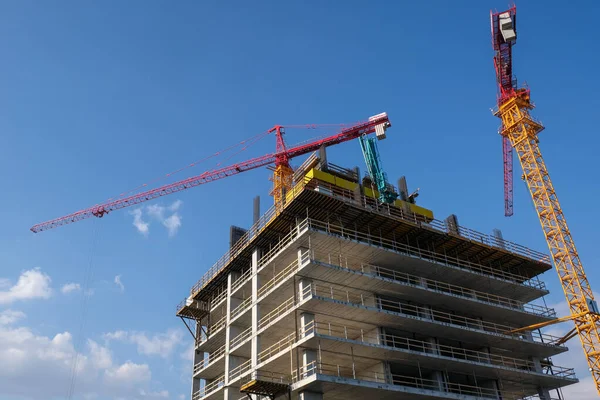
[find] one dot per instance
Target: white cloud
(119, 283)
(163, 394)
(584, 390)
(161, 344)
(25, 354)
(142, 226)
(158, 212)
(175, 206)
(8, 317)
(128, 373)
(100, 355)
(172, 224)
(188, 353)
(70, 287)
(117, 335)
(32, 284)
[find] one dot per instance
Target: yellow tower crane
(520, 131)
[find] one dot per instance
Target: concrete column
(433, 345)
(255, 309)
(438, 377)
(232, 393)
(486, 356)
(378, 373)
(309, 356)
(306, 395)
(544, 393)
(195, 386)
(302, 252)
(306, 324)
(425, 312)
(303, 291)
(372, 336)
(230, 331)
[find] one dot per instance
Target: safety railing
(210, 387)
(240, 338)
(430, 284)
(283, 243)
(247, 302)
(427, 313)
(423, 254)
(352, 372)
(368, 203)
(279, 277)
(218, 298)
(276, 347)
(218, 325)
(373, 337)
(276, 313)
(212, 357)
(241, 279)
(240, 370)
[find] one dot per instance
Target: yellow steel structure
(522, 131)
(283, 176)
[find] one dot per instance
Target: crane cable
(88, 280)
(251, 140)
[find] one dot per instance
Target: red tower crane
(282, 178)
(507, 86)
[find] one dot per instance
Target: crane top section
(377, 123)
(504, 36)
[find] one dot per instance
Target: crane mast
(521, 131)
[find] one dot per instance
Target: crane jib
(99, 210)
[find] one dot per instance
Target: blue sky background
(99, 97)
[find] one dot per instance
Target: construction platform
(349, 298)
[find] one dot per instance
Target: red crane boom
(100, 210)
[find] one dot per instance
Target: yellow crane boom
(514, 105)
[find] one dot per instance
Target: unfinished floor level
(337, 296)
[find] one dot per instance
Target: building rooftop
(318, 197)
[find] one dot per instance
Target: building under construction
(337, 295)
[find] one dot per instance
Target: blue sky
(99, 97)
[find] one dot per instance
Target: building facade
(337, 296)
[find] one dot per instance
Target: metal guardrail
(372, 205)
(354, 264)
(210, 387)
(427, 314)
(430, 256)
(212, 357)
(427, 348)
(351, 371)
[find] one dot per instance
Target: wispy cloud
(119, 283)
(50, 358)
(173, 223)
(8, 317)
(142, 226)
(159, 213)
(32, 284)
(70, 287)
(160, 344)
